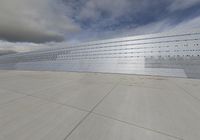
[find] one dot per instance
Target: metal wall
(166, 54)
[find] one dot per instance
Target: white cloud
(182, 4)
(34, 20)
(50, 20)
(164, 26)
(189, 24)
(92, 8)
(154, 27)
(22, 47)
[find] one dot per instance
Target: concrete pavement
(93, 106)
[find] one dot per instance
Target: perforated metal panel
(166, 54)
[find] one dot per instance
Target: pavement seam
(30, 95)
(57, 85)
(16, 92)
(139, 126)
(194, 97)
(90, 112)
(67, 105)
(147, 87)
(23, 93)
(13, 100)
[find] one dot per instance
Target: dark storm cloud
(79, 20)
(34, 21)
(6, 52)
(13, 34)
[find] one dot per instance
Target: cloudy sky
(31, 24)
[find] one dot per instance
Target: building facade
(165, 54)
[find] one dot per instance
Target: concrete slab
(7, 96)
(28, 82)
(80, 95)
(35, 119)
(173, 113)
(49, 106)
(101, 128)
(148, 82)
(190, 86)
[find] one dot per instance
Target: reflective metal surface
(166, 54)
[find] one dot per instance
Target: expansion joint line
(187, 92)
(86, 116)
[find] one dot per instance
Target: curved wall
(166, 54)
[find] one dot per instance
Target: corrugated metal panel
(166, 54)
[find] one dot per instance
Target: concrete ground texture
(94, 106)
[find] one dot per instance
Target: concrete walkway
(89, 106)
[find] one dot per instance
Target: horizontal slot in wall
(176, 54)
